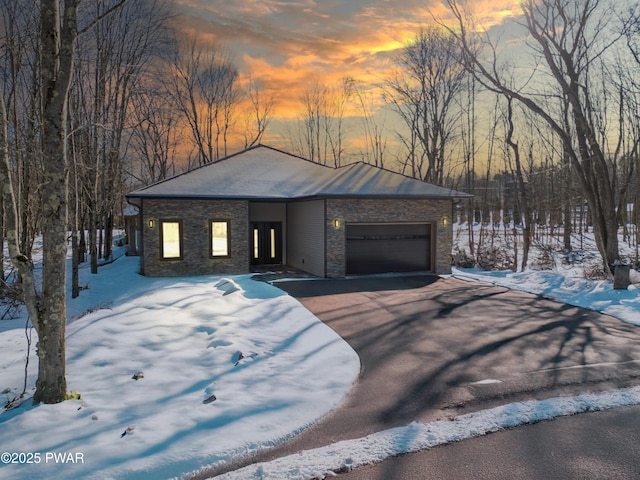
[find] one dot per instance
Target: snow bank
(565, 286)
(348, 454)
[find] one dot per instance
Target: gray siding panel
(267, 212)
(306, 236)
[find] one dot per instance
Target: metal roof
(266, 173)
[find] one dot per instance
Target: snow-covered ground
(566, 286)
(271, 366)
(555, 274)
(227, 366)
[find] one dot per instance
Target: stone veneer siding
(195, 216)
(388, 210)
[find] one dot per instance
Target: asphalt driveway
(434, 348)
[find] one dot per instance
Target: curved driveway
(434, 348)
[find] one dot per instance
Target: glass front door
(266, 243)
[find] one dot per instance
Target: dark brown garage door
(381, 248)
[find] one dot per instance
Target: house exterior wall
(382, 211)
(306, 236)
(195, 217)
(311, 242)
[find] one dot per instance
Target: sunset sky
(290, 44)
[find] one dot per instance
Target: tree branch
(101, 17)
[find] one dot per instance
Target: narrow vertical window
(272, 234)
(170, 241)
(220, 238)
(256, 243)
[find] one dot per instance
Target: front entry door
(266, 243)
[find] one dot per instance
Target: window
(220, 238)
(170, 239)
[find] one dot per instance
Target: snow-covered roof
(266, 173)
(130, 210)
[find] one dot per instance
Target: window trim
(161, 223)
(219, 220)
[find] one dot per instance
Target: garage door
(384, 247)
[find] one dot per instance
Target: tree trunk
(93, 241)
(567, 224)
(51, 384)
(75, 257)
(100, 239)
(2, 277)
(523, 197)
(57, 66)
(82, 244)
(108, 237)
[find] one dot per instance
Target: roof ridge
(286, 153)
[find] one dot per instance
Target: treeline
(145, 101)
(492, 224)
(566, 121)
(110, 61)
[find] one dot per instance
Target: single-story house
(263, 206)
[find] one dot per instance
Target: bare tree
(321, 128)
(204, 86)
(569, 36)
(154, 134)
(375, 136)
(314, 101)
(336, 134)
(257, 120)
(109, 62)
(468, 147)
(522, 188)
(47, 308)
(424, 93)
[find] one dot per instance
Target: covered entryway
(388, 247)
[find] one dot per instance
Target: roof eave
(456, 195)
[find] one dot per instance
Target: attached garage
(388, 247)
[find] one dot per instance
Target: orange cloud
(293, 45)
